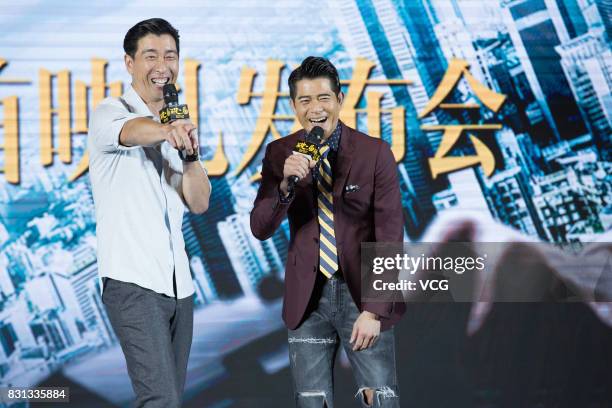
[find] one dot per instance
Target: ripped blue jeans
(313, 346)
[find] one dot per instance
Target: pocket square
(351, 188)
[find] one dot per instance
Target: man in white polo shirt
(141, 187)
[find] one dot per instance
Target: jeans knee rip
(321, 395)
(379, 392)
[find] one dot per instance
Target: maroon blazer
(373, 213)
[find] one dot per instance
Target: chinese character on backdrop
(9, 124)
(441, 163)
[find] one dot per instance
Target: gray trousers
(155, 333)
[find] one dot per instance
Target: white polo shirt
(139, 204)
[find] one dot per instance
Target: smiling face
(316, 104)
(155, 63)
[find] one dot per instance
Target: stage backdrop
(502, 107)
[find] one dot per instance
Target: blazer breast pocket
(357, 198)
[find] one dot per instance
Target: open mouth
(317, 121)
(160, 81)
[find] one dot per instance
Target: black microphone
(309, 147)
(172, 111)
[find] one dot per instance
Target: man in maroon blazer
(351, 195)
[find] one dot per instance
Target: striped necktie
(328, 257)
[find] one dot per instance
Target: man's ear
(292, 103)
(129, 63)
(340, 98)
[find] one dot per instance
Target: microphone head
(170, 94)
(315, 135)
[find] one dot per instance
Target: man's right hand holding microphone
(304, 158)
(295, 165)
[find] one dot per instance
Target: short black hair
(314, 67)
(157, 26)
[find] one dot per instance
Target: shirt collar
(334, 140)
(136, 102)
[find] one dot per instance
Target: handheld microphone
(172, 111)
(308, 147)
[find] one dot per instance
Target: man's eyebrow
(149, 50)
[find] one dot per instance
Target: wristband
(189, 158)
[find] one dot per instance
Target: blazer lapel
(345, 156)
